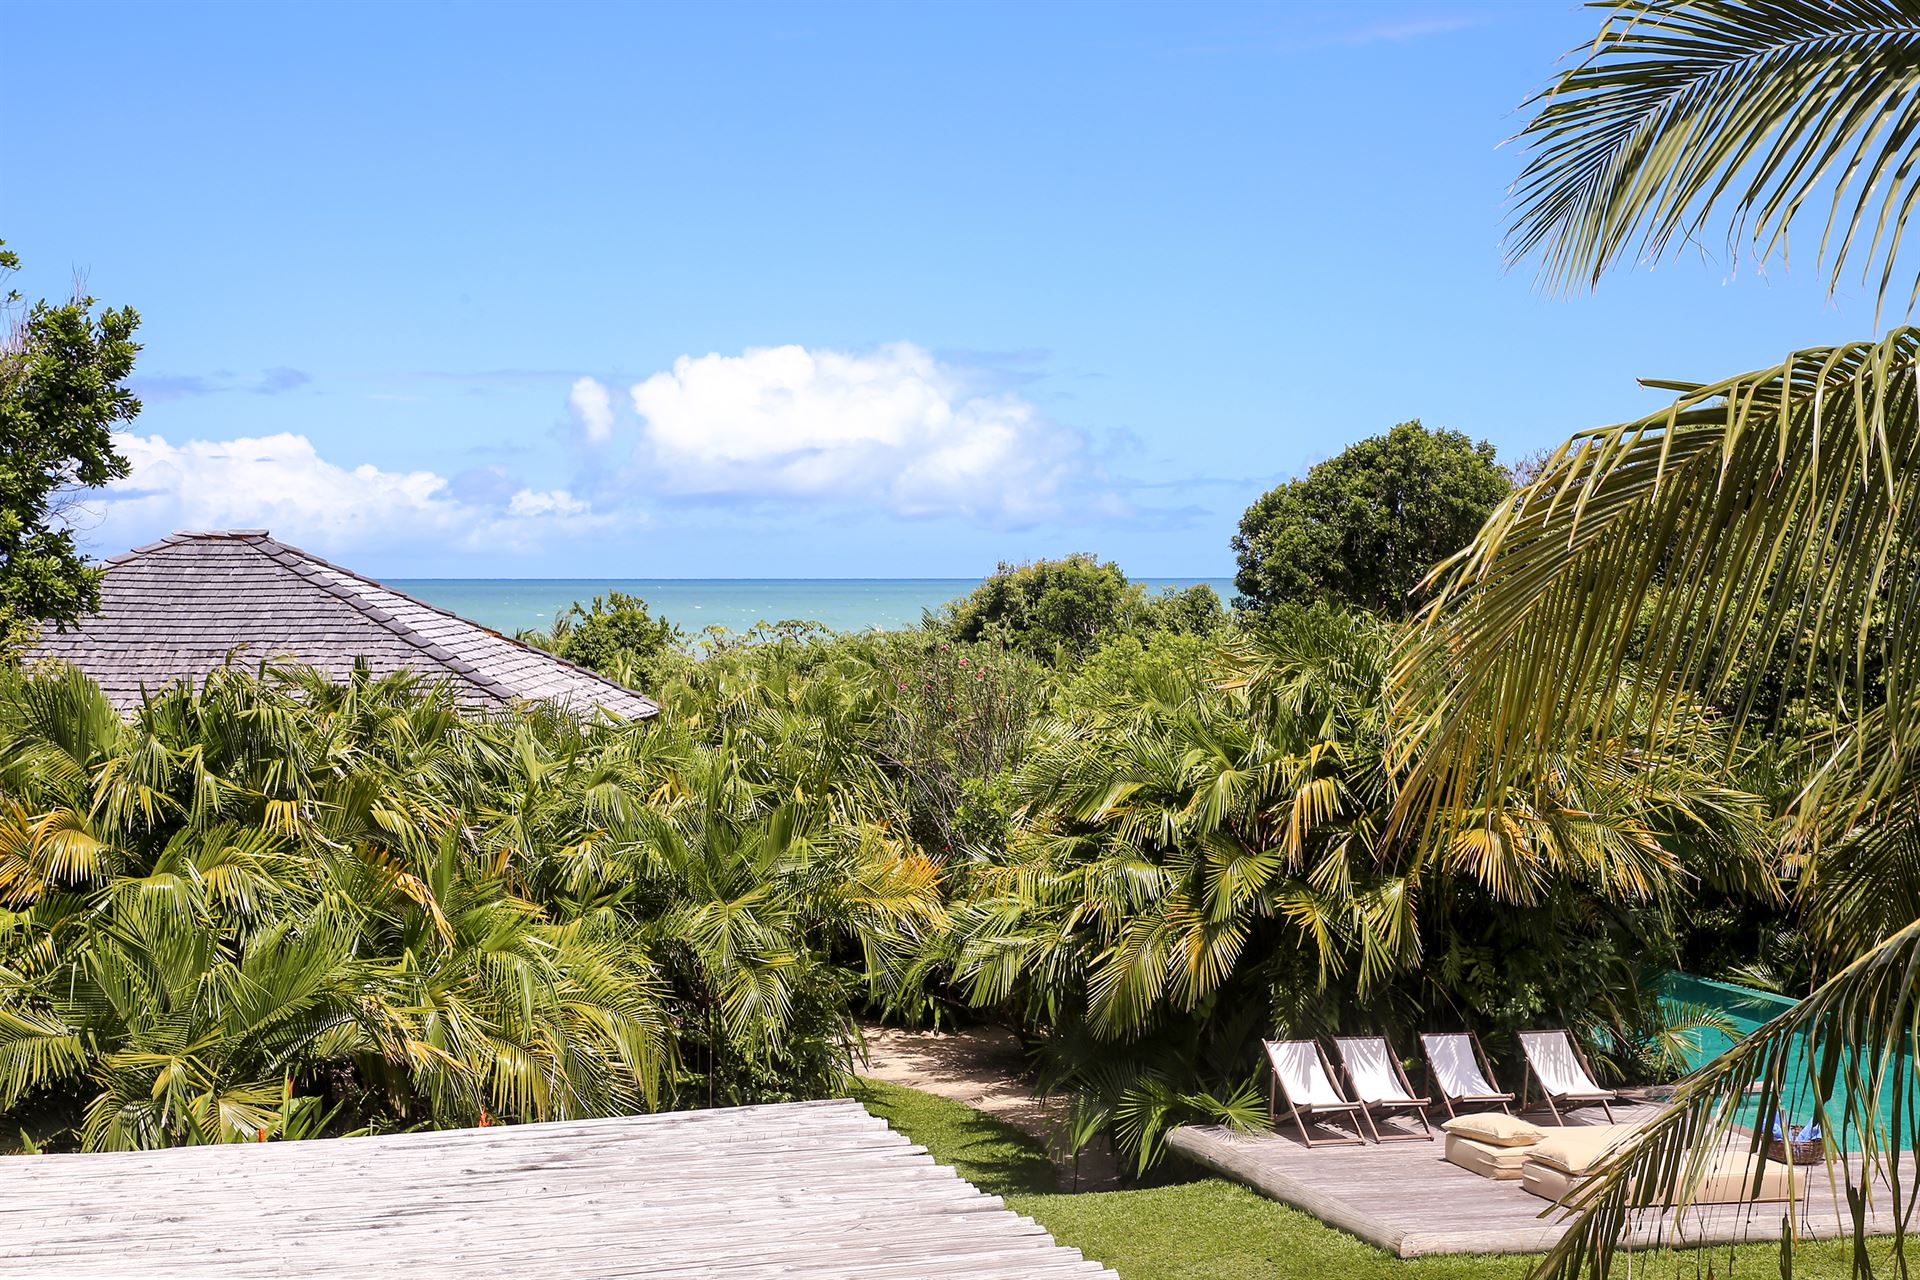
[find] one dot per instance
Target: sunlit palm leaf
(1772, 506)
(1684, 110)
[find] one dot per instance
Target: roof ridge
(260, 540)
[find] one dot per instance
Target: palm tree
(1766, 522)
(1682, 110)
(1197, 866)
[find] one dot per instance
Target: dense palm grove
(1140, 830)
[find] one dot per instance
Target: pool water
(1746, 1010)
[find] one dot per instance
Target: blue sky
(814, 290)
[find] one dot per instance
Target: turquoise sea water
(845, 604)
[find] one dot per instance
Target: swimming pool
(1746, 1010)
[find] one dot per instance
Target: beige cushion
(1728, 1180)
(1496, 1129)
(1577, 1148)
(1546, 1181)
(1502, 1164)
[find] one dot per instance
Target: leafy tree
(1186, 611)
(1066, 608)
(63, 373)
(1048, 607)
(1361, 529)
(616, 635)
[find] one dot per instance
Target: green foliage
(1144, 860)
(1198, 863)
(1061, 610)
(1679, 110)
(63, 374)
(1360, 530)
(615, 636)
(278, 906)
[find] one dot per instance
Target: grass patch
(1212, 1229)
(991, 1154)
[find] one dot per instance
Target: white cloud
(280, 482)
(892, 428)
(550, 502)
(593, 404)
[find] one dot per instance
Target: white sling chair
(1565, 1079)
(1380, 1085)
(1301, 1072)
(1460, 1072)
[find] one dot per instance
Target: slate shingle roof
(176, 608)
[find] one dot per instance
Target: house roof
(177, 608)
(800, 1190)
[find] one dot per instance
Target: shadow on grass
(991, 1154)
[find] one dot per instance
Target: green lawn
(1212, 1229)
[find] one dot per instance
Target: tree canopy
(616, 635)
(63, 375)
(1068, 607)
(1361, 529)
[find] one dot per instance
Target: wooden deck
(1403, 1197)
(803, 1191)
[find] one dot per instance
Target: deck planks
(1403, 1197)
(806, 1191)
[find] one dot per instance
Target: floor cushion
(1546, 1181)
(1496, 1129)
(1728, 1180)
(1575, 1149)
(1502, 1164)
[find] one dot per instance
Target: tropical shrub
(274, 905)
(616, 635)
(1062, 610)
(1199, 864)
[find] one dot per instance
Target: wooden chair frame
(1311, 1112)
(1567, 1101)
(1412, 1104)
(1504, 1100)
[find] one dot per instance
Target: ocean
(845, 604)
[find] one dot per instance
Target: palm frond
(1684, 110)
(1766, 517)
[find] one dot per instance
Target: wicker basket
(1812, 1151)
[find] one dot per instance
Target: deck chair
(1380, 1086)
(1302, 1073)
(1565, 1079)
(1461, 1075)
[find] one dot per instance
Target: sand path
(986, 1068)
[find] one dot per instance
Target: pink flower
(963, 662)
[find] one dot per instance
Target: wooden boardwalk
(1403, 1197)
(801, 1191)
